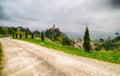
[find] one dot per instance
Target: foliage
(27, 30)
(7, 30)
(36, 32)
(13, 36)
(56, 35)
(110, 44)
(66, 41)
(101, 40)
(42, 36)
(86, 43)
(52, 34)
(16, 35)
(20, 35)
(26, 35)
(32, 35)
(0, 36)
(117, 38)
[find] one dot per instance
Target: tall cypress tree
(42, 36)
(32, 35)
(16, 35)
(26, 35)
(86, 43)
(20, 35)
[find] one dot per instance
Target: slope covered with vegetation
(109, 56)
(110, 43)
(56, 35)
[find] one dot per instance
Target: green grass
(1, 55)
(0, 36)
(109, 56)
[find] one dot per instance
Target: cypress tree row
(42, 36)
(86, 43)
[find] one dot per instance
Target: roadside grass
(1, 56)
(109, 56)
(0, 36)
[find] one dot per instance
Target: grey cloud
(2, 14)
(115, 3)
(68, 15)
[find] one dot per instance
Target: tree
(20, 35)
(37, 32)
(32, 35)
(16, 35)
(42, 36)
(86, 43)
(13, 35)
(26, 35)
(101, 40)
(10, 30)
(4, 31)
(109, 38)
(0, 29)
(117, 34)
(28, 31)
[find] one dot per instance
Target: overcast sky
(68, 15)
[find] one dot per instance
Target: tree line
(7, 30)
(53, 34)
(110, 43)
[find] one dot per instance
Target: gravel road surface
(27, 59)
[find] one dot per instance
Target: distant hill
(55, 34)
(95, 35)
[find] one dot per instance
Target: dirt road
(27, 59)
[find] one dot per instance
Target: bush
(66, 41)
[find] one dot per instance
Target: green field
(109, 56)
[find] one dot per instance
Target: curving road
(27, 59)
